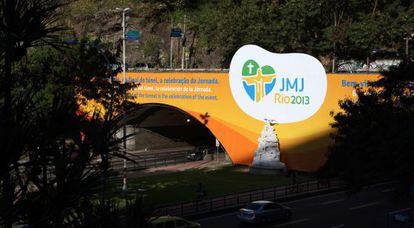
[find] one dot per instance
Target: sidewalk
(204, 164)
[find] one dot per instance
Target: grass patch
(181, 186)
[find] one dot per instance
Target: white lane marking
(400, 210)
(383, 183)
(388, 190)
(292, 222)
(363, 206)
(338, 226)
(216, 217)
(314, 197)
(333, 201)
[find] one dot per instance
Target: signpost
(217, 149)
(175, 33)
(133, 35)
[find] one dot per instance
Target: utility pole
(171, 46)
(334, 46)
(333, 57)
(183, 44)
(406, 46)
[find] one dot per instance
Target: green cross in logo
(262, 78)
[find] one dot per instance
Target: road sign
(187, 55)
(175, 32)
(133, 35)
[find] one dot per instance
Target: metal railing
(143, 163)
(237, 200)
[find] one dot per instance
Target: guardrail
(231, 201)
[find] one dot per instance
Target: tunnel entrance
(164, 135)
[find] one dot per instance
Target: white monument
(266, 158)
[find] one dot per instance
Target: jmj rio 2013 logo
(283, 87)
(260, 81)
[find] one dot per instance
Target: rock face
(267, 156)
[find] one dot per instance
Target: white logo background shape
(291, 66)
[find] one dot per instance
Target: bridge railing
(138, 162)
(142, 162)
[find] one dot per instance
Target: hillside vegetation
(215, 29)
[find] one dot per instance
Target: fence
(231, 201)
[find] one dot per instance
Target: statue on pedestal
(266, 158)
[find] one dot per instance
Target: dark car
(264, 211)
(198, 153)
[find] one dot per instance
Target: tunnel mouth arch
(167, 132)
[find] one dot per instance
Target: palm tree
(23, 24)
(59, 179)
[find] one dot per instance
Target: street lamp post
(124, 11)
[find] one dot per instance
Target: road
(368, 208)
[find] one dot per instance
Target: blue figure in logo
(258, 81)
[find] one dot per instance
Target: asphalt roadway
(369, 208)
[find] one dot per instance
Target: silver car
(264, 211)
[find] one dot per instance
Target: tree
(56, 176)
(216, 29)
(373, 138)
(151, 50)
(23, 24)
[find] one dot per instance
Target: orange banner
(303, 144)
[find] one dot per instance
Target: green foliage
(23, 24)
(373, 139)
(57, 143)
(89, 7)
(351, 29)
(151, 50)
(216, 29)
(54, 146)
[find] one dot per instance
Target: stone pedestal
(266, 158)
